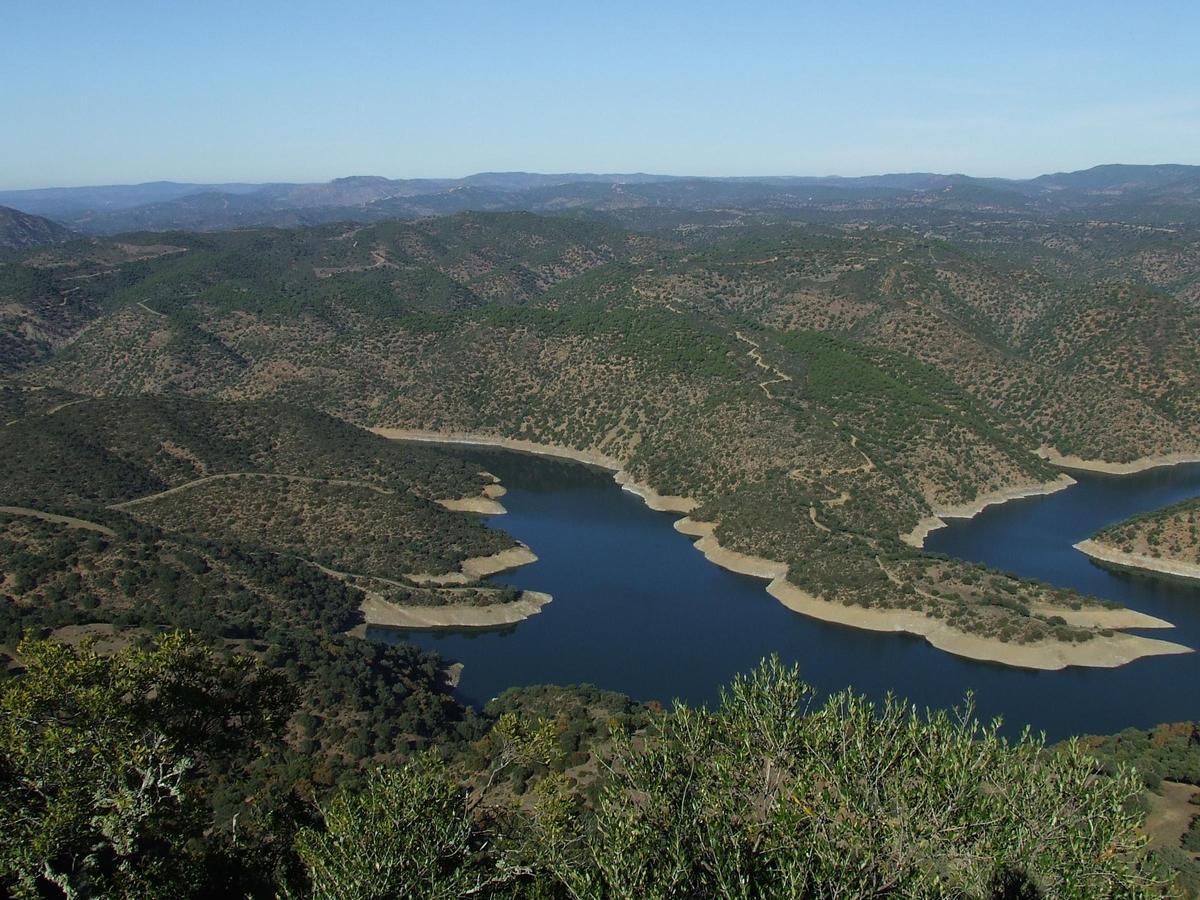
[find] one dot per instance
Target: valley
(640, 608)
(701, 367)
(408, 464)
(455, 452)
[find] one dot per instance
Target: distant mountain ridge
(1151, 193)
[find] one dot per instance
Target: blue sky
(98, 92)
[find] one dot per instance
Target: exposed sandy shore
(916, 537)
(1111, 556)
(1049, 654)
(1019, 492)
(378, 611)
(480, 567)
(484, 506)
(485, 503)
(741, 563)
(1098, 465)
(1102, 617)
(483, 566)
(381, 613)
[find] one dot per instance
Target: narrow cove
(637, 609)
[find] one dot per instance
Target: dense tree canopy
(104, 760)
(103, 763)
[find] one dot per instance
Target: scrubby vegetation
(346, 527)
(817, 389)
(107, 451)
(356, 699)
(1170, 752)
(1171, 533)
(261, 475)
(108, 763)
(1167, 759)
(182, 450)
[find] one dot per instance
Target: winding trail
(891, 576)
(305, 479)
(379, 260)
(350, 577)
(51, 411)
(69, 521)
(868, 464)
(755, 354)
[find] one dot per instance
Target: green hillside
(848, 381)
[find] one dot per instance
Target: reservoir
(638, 609)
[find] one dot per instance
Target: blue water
(637, 609)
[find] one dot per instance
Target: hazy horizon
(568, 172)
(133, 92)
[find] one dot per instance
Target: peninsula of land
(1107, 555)
(381, 613)
(1161, 542)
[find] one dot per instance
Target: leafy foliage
(404, 832)
(775, 795)
(103, 761)
(1170, 752)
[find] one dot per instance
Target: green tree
(404, 833)
(772, 795)
(103, 762)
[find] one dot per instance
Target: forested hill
(20, 231)
(817, 391)
(195, 514)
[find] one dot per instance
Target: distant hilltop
(1152, 194)
(20, 230)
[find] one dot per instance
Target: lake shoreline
(923, 528)
(1109, 556)
(474, 568)
(485, 503)
(380, 613)
(1046, 655)
(916, 537)
(1100, 651)
(656, 501)
(1099, 466)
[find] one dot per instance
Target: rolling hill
(817, 393)
(20, 231)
